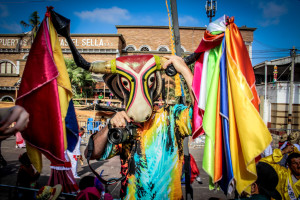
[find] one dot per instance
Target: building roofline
(279, 61)
(72, 35)
(181, 27)
(12, 34)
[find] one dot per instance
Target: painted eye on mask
(151, 80)
(126, 83)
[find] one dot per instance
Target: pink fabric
(19, 139)
(92, 193)
(194, 169)
(65, 178)
(197, 113)
(209, 41)
(38, 94)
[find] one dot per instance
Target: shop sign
(87, 42)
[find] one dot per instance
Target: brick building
(129, 40)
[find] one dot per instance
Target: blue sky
(277, 21)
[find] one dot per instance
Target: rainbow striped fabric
(159, 156)
(226, 108)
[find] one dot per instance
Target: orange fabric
(240, 55)
(209, 36)
(218, 141)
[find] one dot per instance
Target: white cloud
(3, 11)
(187, 21)
(112, 15)
(12, 27)
(272, 12)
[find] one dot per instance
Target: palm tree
(81, 80)
(33, 23)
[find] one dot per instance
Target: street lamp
(211, 8)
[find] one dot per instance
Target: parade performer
(157, 161)
(289, 183)
(45, 92)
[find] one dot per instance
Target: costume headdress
(136, 80)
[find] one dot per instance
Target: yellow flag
(249, 136)
(63, 81)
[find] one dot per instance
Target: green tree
(81, 80)
(33, 23)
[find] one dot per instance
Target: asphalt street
(111, 169)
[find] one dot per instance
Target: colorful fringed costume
(158, 159)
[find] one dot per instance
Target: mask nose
(140, 113)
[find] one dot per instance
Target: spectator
(27, 177)
(100, 96)
(288, 184)
(92, 189)
(265, 185)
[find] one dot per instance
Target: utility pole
(188, 187)
(290, 112)
(176, 27)
(265, 116)
(211, 8)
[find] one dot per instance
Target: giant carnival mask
(135, 80)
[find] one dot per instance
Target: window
(25, 57)
(163, 48)
(7, 99)
(145, 48)
(130, 48)
(7, 67)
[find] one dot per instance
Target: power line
(266, 45)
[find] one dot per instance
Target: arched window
(130, 48)
(7, 99)
(163, 48)
(25, 57)
(145, 48)
(7, 67)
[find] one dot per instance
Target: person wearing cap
(264, 187)
(291, 139)
(288, 184)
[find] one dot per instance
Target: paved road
(8, 175)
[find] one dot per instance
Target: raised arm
(183, 69)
